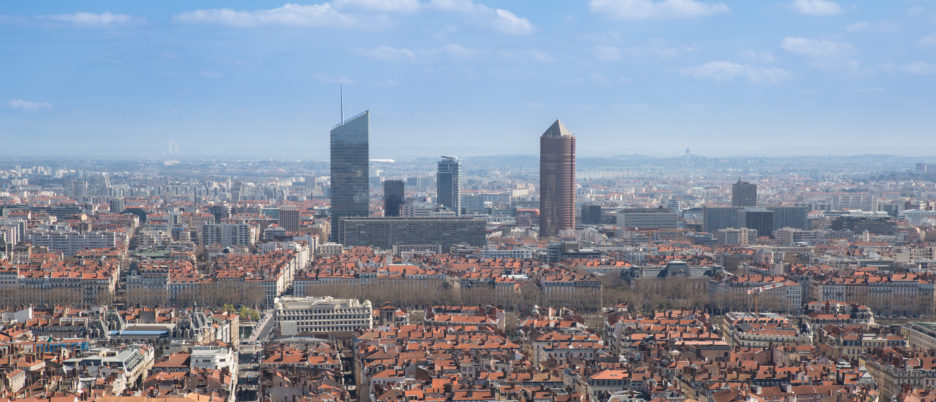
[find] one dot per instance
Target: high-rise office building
(758, 219)
(228, 234)
(790, 217)
(591, 214)
(288, 218)
(557, 180)
(715, 218)
(646, 219)
(392, 197)
(743, 194)
(349, 170)
(220, 212)
(448, 183)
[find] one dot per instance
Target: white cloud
(536, 55)
(919, 68)
(646, 9)
(463, 6)
(332, 14)
(452, 50)
(728, 71)
(211, 74)
(28, 105)
(817, 48)
(506, 22)
(606, 53)
(457, 51)
(289, 14)
(929, 40)
(399, 6)
(91, 19)
(656, 48)
(817, 7)
(864, 26)
(826, 54)
(758, 57)
(389, 53)
(498, 19)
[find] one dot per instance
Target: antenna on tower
(341, 101)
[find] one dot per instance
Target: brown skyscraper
(557, 180)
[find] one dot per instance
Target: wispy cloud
(457, 51)
(606, 53)
(654, 49)
(816, 7)
(929, 40)
(536, 55)
(389, 53)
(451, 50)
(396, 6)
(506, 22)
(728, 71)
(877, 27)
(497, 19)
(289, 14)
(211, 74)
(91, 19)
(817, 48)
(758, 57)
(826, 54)
(342, 13)
(28, 105)
(919, 68)
(648, 9)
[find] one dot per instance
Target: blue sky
(465, 77)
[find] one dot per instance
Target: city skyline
(162, 80)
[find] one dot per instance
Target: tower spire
(341, 101)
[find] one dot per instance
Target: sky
(260, 79)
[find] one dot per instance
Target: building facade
(350, 155)
(300, 315)
(288, 218)
(386, 232)
(448, 183)
(228, 234)
(743, 194)
(393, 191)
(557, 180)
(646, 219)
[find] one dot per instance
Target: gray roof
(557, 130)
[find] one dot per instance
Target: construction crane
(761, 289)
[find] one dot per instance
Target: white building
(297, 315)
(228, 234)
(70, 243)
(208, 357)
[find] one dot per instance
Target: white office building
(299, 315)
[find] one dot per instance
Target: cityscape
(391, 262)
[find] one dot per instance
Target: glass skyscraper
(393, 197)
(349, 170)
(448, 183)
